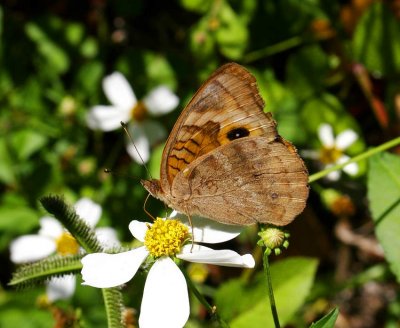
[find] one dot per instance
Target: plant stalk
(271, 291)
(365, 155)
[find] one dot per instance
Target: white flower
(53, 238)
(332, 151)
(165, 300)
(126, 108)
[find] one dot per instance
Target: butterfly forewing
(227, 106)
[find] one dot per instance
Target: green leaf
(384, 199)
(284, 105)
(231, 35)
(7, 174)
(291, 278)
(17, 219)
(88, 77)
(54, 55)
(328, 321)
(198, 6)
(202, 41)
(16, 307)
(89, 48)
(74, 33)
(376, 41)
(307, 70)
(159, 71)
(27, 142)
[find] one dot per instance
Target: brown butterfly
(224, 159)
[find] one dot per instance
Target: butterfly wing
(246, 181)
(226, 107)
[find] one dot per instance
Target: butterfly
(225, 160)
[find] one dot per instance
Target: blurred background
(332, 64)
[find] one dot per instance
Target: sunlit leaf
(328, 321)
(7, 173)
(306, 71)
(198, 6)
(384, 199)
(27, 142)
(376, 42)
(291, 278)
(231, 33)
(52, 53)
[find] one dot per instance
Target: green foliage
(384, 197)
(315, 62)
(292, 280)
(327, 321)
(378, 30)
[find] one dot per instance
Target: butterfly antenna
(125, 127)
(109, 171)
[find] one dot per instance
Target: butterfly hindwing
(246, 181)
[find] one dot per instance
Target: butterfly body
(225, 160)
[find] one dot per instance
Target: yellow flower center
(139, 112)
(67, 244)
(330, 155)
(165, 237)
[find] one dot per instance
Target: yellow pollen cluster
(165, 237)
(330, 155)
(67, 244)
(139, 112)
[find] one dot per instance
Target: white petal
(165, 300)
(333, 176)
(119, 91)
(225, 257)
(107, 237)
(325, 133)
(140, 141)
(61, 288)
(50, 227)
(31, 248)
(209, 231)
(107, 118)
(351, 169)
(109, 270)
(88, 210)
(345, 139)
(138, 229)
(161, 100)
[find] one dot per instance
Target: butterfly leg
(191, 226)
(145, 210)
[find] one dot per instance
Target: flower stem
(271, 50)
(368, 153)
(211, 309)
(271, 291)
(113, 305)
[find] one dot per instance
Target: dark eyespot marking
(274, 195)
(237, 133)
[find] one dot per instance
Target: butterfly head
(153, 186)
